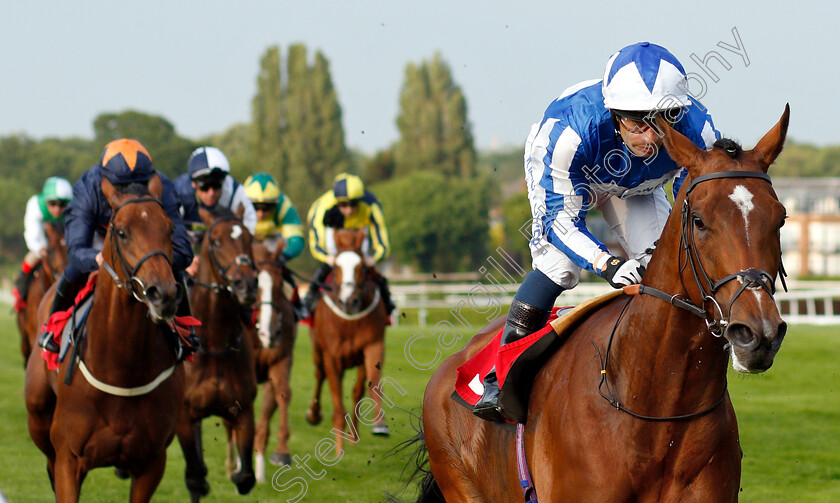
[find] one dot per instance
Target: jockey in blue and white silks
(598, 146)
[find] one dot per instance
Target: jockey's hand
(192, 269)
(331, 260)
(621, 272)
(370, 261)
(99, 259)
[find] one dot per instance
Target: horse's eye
(216, 242)
(698, 222)
(782, 224)
(121, 232)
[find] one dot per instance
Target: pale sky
(195, 63)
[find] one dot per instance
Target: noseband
(133, 282)
(238, 261)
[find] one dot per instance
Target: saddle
(517, 363)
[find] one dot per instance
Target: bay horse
(349, 331)
(221, 379)
(122, 410)
(633, 406)
(46, 272)
(277, 331)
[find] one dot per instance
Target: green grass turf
(789, 420)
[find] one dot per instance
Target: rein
(133, 281)
(352, 317)
(240, 260)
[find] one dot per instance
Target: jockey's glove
(621, 272)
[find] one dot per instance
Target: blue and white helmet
(644, 77)
(207, 161)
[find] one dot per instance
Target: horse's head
(350, 272)
(138, 247)
(227, 245)
(272, 298)
(730, 250)
(56, 259)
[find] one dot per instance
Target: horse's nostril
(741, 335)
(779, 337)
(153, 294)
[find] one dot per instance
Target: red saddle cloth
(468, 381)
(55, 324)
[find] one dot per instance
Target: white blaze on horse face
(144, 214)
(266, 289)
(743, 200)
(235, 232)
(347, 261)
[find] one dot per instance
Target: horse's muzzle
(163, 302)
(753, 347)
(245, 289)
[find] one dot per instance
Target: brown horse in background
(221, 380)
(122, 410)
(277, 331)
(633, 406)
(349, 331)
(45, 274)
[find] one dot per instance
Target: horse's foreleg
(358, 392)
(68, 476)
(334, 376)
(231, 453)
(374, 358)
(267, 408)
(313, 413)
(281, 375)
(244, 477)
(144, 485)
(189, 436)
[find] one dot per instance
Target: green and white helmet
(57, 189)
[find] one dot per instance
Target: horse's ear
(206, 215)
(682, 150)
(156, 187)
(110, 192)
(769, 147)
(360, 238)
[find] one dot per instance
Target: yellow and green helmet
(348, 187)
(262, 188)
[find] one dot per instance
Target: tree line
(437, 191)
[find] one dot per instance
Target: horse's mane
(730, 147)
(220, 211)
(137, 189)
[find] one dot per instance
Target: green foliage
(435, 133)
(267, 118)
(435, 223)
(517, 226)
(13, 194)
(235, 142)
(804, 160)
(169, 151)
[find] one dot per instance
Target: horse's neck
(663, 351)
(215, 307)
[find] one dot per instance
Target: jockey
(48, 206)
(124, 163)
(277, 221)
(346, 206)
(208, 183)
(598, 146)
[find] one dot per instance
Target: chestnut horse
(634, 405)
(348, 331)
(121, 408)
(277, 331)
(45, 273)
(221, 380)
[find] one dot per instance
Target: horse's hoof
(121, 473)
(244, 482)
(278, 459)
(381, 430)
(313, 417)
(198, 487)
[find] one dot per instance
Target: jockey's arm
(378, 233)
(249, 216)
(33, 226)
(317, 231)
(291, 229)
(181, 248)
(80, 226)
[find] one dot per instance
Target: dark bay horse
(45, 273)
(277, 330)
(221, 380)
(120, 409)
(349, 331)
(633, 406)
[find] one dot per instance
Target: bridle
(749, 278)
(134, 284)
(238, 261)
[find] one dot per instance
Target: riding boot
(384, 291)
(314, 293)
(23, 282)
(523, 320)
(65, 291)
